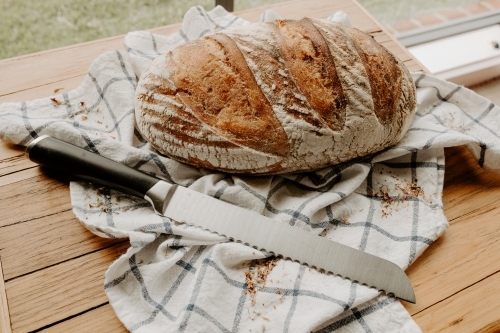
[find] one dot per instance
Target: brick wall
(441, 16)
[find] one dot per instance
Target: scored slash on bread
(275, 97)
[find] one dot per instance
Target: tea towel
(177, 278)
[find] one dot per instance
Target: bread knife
(184, 205)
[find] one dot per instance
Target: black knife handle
(71, 159)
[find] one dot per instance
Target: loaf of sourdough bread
(276, 97)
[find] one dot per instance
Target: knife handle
(56, 154)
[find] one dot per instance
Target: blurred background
(28, 26)
(457, 40)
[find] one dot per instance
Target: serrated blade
(185, 205)
(191, 207)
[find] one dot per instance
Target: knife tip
(409, 298)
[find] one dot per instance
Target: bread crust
(276, 97)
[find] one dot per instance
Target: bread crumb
(402, 191)
(255, 276)
(56, 101)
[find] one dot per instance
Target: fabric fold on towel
(180, 278)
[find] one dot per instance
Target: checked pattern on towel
(180, 278)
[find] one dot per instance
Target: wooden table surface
(52, 268)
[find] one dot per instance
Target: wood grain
(63, 236)
(58, 292)
(64, 62)
(468, 251)
(55, 67)
(413, 66)
(20, 175)
(86, 322)
(10, 151)
(14, 164)
(458, 259)
(44, 90)
(33, 198)
(468, 187)
(4, 307)
(54, 268)
(489, 90)
(13, 161)
(473, 309)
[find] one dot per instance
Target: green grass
(28, 26)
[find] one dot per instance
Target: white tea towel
(180, 278)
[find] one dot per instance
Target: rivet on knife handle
(194, 208)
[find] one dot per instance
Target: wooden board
(4, 307)
(44, 248)
(455, 266)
